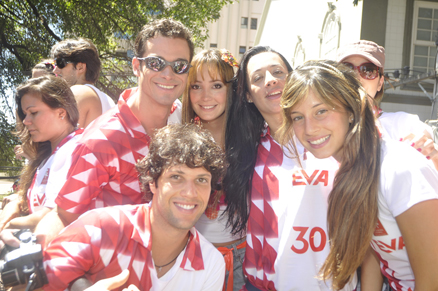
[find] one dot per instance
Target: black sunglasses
(61, 63)
(158, 64)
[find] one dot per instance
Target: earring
(249, 100)
(351, 118)
(62, 117)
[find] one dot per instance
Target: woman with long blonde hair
(384, 193)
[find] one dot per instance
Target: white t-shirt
(40, 193)
(212, 225)
(105, 100)
(397, 125)
(404, 182)
(287, 240)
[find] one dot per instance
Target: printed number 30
(311, 240)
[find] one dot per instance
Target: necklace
(160, 267)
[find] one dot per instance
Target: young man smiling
(155, 242)
(101, 170)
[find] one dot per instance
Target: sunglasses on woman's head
(158, 64)
(61, 63)
(367, 71)
(49, 65)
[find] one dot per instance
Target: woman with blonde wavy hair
(378, 198)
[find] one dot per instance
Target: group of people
(277, 179)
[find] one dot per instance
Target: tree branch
(44, 22)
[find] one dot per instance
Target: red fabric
(103, 163)
(262, 221)
(229, 265)
(104, 242)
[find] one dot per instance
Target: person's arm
(89, 104)
(419, 228)
(11, 210)
(29, 221)
(110, 283)
(52, 223)
(74, 252)
(370, 276)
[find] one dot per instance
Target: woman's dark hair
(244, 128)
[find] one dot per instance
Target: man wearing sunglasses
(77, 61)
(101, 171)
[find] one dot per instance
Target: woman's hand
(425, 145)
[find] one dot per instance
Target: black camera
(24, 265)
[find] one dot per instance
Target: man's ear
(81, 68)
(136, 67)
(153, 187)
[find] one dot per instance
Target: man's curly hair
(186, 144)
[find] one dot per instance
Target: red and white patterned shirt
(101, 170)
(287, 240)
(39, 194)
(104, 242)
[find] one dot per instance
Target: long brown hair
(353, 201)
(55, 93)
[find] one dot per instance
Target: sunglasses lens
(351, 66)
(60, 63)
(155, 64)
(369, 71)
(181, 67)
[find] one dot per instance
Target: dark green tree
(29, 28)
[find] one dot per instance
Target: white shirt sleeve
(406, 177)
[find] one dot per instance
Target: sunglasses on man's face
(367, 71)
(61, 63)
(158, 64)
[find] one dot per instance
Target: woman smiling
(327, 110)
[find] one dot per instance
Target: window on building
(244, 22)
(242, 50)
(330, 36)
(424, 36)
(253, 23)
(213, 45)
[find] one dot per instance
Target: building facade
(236, 28)
(315, 29)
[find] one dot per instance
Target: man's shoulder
(84, 92)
